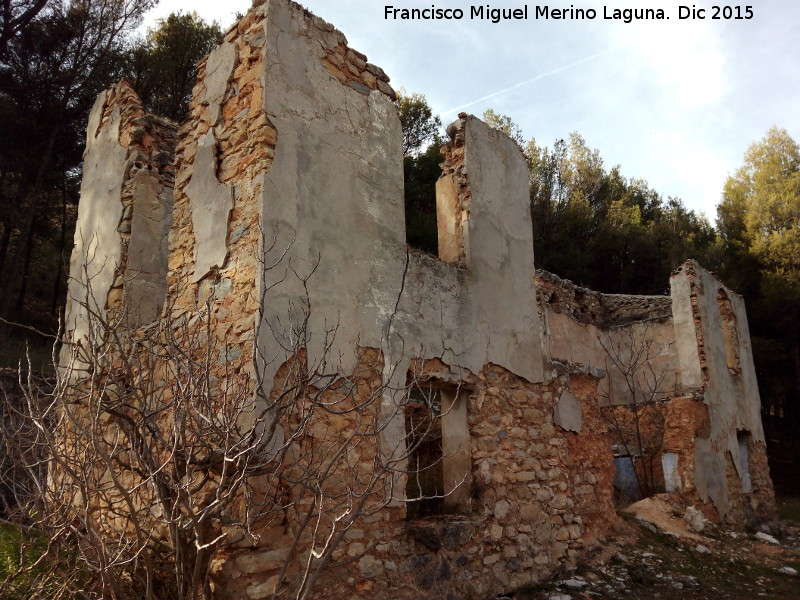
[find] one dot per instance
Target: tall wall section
(226, 145)
(294, 144)
(332, 215)
(119, 261)
(713, 341)
(333, 205)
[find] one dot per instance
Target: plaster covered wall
(145, 281)
(119, 260)
(97, 252)
(730, 392)
(337, 170)
(596, 330)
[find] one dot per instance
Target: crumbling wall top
(596, 308)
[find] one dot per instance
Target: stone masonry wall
(685, 419)
(539, 493)
(226, 144)
(591, 307)
(286, 245)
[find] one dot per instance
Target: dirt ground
(655, 553)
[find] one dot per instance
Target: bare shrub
(637, 418)
(149, 455)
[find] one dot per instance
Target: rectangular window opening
(743, 438)
(420, 174)
(437, 198)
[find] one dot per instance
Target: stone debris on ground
(765, 537)
(660, 514)
(646, 560)
(696, 520)
(575, 583)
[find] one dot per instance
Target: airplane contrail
(527, 81)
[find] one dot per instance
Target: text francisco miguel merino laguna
(495, 15)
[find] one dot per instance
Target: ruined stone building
(281, 196)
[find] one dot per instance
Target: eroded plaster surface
(686, 336)
(619, 346)
(450, 246)
(219, 68)
(709, 474)
(338, 169)
(731, 395)
(145, 275)
(98, 247)
(210, 200)
(568, 413)
(211, 203)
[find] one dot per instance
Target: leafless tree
(147, 455)
(637, 418)
(14, 15)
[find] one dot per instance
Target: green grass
(20, 548)
(13, 555)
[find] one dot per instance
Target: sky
(676, 102)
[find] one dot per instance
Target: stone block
(529, 512)
(259, 562)
(370, 567)
(492, 559)
(501, 509)
(260, 591)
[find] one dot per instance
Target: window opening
(743, 438)
(626, 478)
(425, 483)
(420, 174)
(439, 460)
